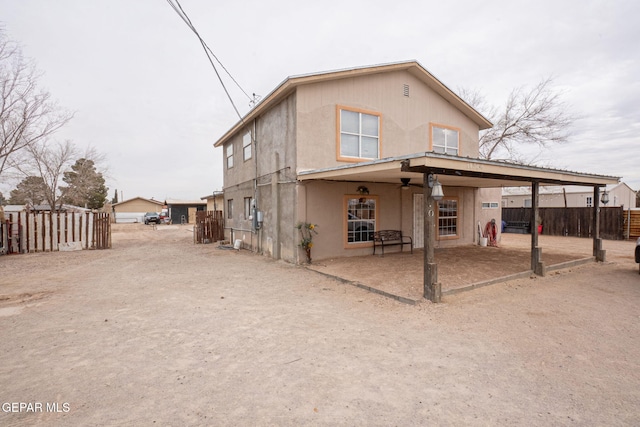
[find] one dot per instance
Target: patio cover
(466, 172)
(454, 171)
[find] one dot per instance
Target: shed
(184, 211)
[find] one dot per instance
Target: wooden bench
(384, 238)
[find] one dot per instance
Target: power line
(178, 9)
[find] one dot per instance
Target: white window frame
(359, 209)
(490, 205)
(248, 205)
(229, 153)
(246, 146)
(449, 147)
(448, 222)
(360, 134)
(229, 208)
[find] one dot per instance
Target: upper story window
(229, 154)
(359, 134)
(445, 139)
(246, 146)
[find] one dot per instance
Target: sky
(144, 94)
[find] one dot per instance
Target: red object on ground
(491, 233)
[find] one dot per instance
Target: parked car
(164, 217)
(360, 229)
(151, 217)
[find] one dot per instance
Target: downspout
(258, 231)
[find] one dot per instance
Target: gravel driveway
(159, 331)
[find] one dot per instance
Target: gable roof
(413, 67)
(139, 198)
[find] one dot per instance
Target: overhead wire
(177, 7)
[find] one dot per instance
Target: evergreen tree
(31, 190)
(85, 185)
(115, 197)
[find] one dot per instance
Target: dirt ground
(401, 273)
(159, 331)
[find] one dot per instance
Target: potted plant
(307, 230)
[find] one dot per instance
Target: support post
(432, 289)
(536, 252)
(598, 252)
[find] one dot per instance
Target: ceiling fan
(405, 183)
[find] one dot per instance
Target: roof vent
(406, 90)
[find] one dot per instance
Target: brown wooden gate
(101, 230)
(209, 227)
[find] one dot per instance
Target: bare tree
(530, 117)
(27, 114)
(50, 161)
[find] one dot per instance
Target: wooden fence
(632, 223)
(576, 222)
(209, 227)
(26, 232)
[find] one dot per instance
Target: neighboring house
(336, 149)
(14, 208)
(61, 208)
(133, 210)
(620, 195)
(184, 211)
(43, 208)
(215, 201)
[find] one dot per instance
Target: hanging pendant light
(436, 188)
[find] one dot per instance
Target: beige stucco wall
(322, 203)
(485, 215)
(138, 205)
(404, 121)
(215, 204)
(299, 133)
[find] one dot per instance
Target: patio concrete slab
(400, 274)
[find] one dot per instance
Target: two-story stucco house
(336, 149)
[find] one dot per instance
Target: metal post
(536, 252)
(597, 241)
